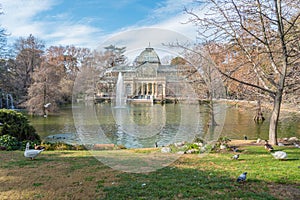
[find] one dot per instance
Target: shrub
(61, 146)
(9, 142)
(17, 125)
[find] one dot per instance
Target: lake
(143, 125)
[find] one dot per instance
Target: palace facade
(146, 78)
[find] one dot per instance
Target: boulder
(166, 150)
(293, 139)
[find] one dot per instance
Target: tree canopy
(259, 38)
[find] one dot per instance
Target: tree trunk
(259, 117)
(275, 118)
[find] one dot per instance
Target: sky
(89, 23)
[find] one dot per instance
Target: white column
(152, 91)
(147, 88)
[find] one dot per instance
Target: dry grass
(53, 175)
(78, 175)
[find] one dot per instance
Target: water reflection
(138, 126)
(142, 126)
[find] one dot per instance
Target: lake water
(137, 126)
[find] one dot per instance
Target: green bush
(17, 125)
(61, 146)
(9, 142)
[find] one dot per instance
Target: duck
(31, 153)
(242, 177)
(234, 149)
(280, 155)
(268, 146)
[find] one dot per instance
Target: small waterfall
(120, 92)
(9, 102)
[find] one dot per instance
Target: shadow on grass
(75, 175)
(174, 183)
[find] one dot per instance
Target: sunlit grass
(78, 175)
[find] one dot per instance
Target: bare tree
(250, 28)
(92, 70)
(115, 55)
(45, 89)
(29, 56)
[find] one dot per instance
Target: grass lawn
(78, 175)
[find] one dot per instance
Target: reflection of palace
(147, 78)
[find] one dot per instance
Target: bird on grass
(280, 155)
(280, 144)
(242, 178)
(234, 149)
(236, 156)
(296, 145)
(31, 153)
(268, 146)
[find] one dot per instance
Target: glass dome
(148, 55)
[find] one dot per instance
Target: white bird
(280, 155)
(242, 177)
(47, 105)
(280, 144)
(31, 153)
(296, 145)
(258, 140)
(236, 156)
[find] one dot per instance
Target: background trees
(29, 53)
(257, 37)
(53, 79)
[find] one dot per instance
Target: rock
(103, 146)
(203, 149)
(166, 150)
(199, 144)
(180, 152)
(222, 146)
(179, 144)
(293, 139)
(190, 151)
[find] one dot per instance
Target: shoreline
(268, 106)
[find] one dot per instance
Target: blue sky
(86, 23)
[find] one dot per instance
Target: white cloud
(171, 7)
(18, 14)
(136, 40)
(169, 27)
(21, 19)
